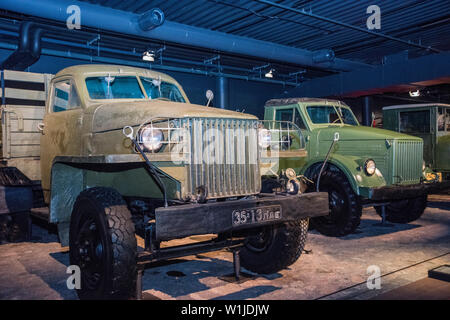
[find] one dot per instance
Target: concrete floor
(332, 268)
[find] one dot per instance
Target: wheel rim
(89, 248)
(261, 241)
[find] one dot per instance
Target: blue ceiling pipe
(151, 19)
(28, 50)
(222, 90)
(142, 64)
(23, 50)
(105, 18)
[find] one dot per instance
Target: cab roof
(288, 101)
(93, 69)
(419, 105)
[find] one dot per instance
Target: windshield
(329, 114)
(110, 87)
(155, 88)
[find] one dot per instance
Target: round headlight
(370, 167)
(151, 138)
(265, 138)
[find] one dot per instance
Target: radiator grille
(223, 157)
(407, 161)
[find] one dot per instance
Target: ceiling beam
(380, 79)
(348, 26)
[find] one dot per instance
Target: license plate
(256, 215)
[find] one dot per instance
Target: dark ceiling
(423, 23)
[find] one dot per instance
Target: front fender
(353, 169)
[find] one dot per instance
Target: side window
(415, 122)
(441, 119)
(298, 120)
(284, 115)
(447, 119)
(290, 115)
(65, 97)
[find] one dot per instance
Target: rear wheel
(345, 208)
(275, 247)
(405, 211)
(103, 244)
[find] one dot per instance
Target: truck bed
(23, 96)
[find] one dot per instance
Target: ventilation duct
(28, 50)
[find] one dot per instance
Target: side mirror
(209, 96)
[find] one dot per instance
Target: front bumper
(181, 221)
(404, 192)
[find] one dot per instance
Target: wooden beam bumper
(217, 217)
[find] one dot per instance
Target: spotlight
(269, 74)
(148, 56)
(414, 94)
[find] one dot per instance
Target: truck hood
(349, 133)
(112, 116)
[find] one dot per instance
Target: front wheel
(275, 247)
(405, 211)
(103, 245)
(345, 208)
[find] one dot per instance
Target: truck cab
(356, 165)
(431, 122)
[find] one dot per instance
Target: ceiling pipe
(346, 25)
(90, 58)
(134, 55)
(123, 22)
(151, 19)
(28, 51)
(22, 51)
(36, 47)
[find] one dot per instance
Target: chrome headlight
(151, 138)
(265, 138)
(370, 167)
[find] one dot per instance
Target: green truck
(357, 165)
(431, 122)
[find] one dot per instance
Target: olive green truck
(429, 121)
(121, 151)
(356, 165)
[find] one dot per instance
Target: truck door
(418, 123)
(61, 128)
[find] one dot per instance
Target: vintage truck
(364, 166)
(123, 153)
(431, 122)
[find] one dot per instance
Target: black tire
(275, 247)
(405, 211)
(103, 244)
(345, 207)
